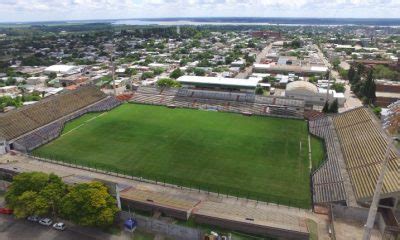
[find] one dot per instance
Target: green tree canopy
(336, 63)
(351, 74)
(338, 87)
(52, 75)
(334, 107)
(259, 91)
(199, 72)
(89, 204)
(167, 82)
(147, 75)
(176, 73)
(325, 109)
(35, 193)
(370, 88)
(158, 71)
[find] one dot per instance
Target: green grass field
(257, 157)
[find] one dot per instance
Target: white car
(33, 218)
(59, 226)
(45, 221)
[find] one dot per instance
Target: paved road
(352, 100)
(245, 73)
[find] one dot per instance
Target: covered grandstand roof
(363, 143)
(16, 123)
(236, 82)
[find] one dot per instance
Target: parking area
(11, 228)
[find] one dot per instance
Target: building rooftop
(302, 85)
(220, 81)
(62, 69)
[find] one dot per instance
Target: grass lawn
(256, 157)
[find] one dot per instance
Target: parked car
(6, 211)
(45, 221)
(59, 226)
(33, 218)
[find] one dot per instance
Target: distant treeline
(308, 21)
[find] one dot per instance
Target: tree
(370, 88)
(377, 111)
(52, 75)
(89, 204)
(35, 193)
(176, 73)
(199, 72)
(336, 63)
(360, 69)
(11, 81)
(338, 87)
(312, 79)
(147, 75)
(351, 74)
(259, 91)
(158, 71)
(343, 73)
(325, 109)
(167, 82)
(269, 79)
(130, 72)
(334, 107)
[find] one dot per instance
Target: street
(248, 70)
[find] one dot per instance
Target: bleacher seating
(51, 131)
(207, 94)
(364, 144)
(221, 101)
(35, 125)
(16, 123)
(313, 114)
(327, 180)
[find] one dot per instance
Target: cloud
(40, 10)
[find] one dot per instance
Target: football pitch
(262, 158)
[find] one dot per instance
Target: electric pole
(391, 125)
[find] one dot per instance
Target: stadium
(268, 149)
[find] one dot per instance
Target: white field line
(91, 119)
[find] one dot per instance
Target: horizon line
(154, 18)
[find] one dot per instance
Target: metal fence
(168, 230)
(176, 183)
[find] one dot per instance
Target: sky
(51, 10)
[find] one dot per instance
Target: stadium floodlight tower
(110, 49)
(391, 124)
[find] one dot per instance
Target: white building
(63, 69)
(311, 94)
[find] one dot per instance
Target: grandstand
(363, 144)
(34, 125)
(221, 101)
(355, 146)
